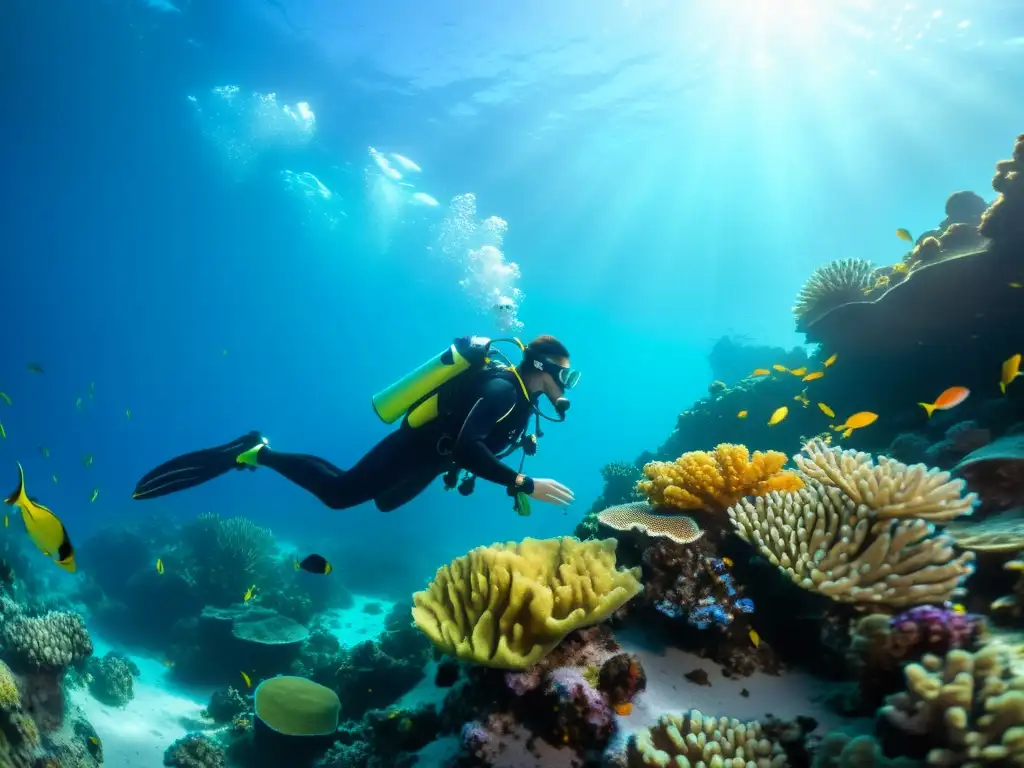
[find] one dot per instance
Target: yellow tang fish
(780, 368)
(741, 415)
(814, 376)
(904, 234)
(779, 415)
(827, 411)
(94, 495)
(831, 360)
(250, 593)
(246, 680)
(799, 371)
(760, 372)
(1011, 370)
(160, 566)
(44, 528)
(6, 398)
(755, 638)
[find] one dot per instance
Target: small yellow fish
(45, 451)
(827, 411)
(128, 413)
(250, 593)
(246, 680)
(958, 608)
(755, 638)
(78, 403)
(779, 415)
(94, 740)
(802, 399)
(741, 415)
(95, 493)
(900, 267)
(160, 566)
(882, 281)
(904, 234)
(867, 291)
(87, 460)
(831, 360)
(859, 420)
(6, 398)
(1011, 370)
(814, 376)
(3, 432)
(727, 561)
(1015, 284)
(760, 372)
(799, 371)
(780, 368)
(7, 521)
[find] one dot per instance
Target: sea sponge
(690, 738)
(831, 285)
(859, 532)
(640, 516)
(295, 706)
(1004, 220)
(508, 605)
(51, 642)
(968, 706)
(715, 480)
(10, 697)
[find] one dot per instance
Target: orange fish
(741, 415)
(799, 371)
(760, 372)
(624, 709)
(859, 420)
(831, 359)
(814, 376)
(951, 398)
(780, 368)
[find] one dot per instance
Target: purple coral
(936, 629)
(522, 683)
(583, 717)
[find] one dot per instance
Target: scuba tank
(415, 394)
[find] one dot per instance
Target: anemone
(831, 285)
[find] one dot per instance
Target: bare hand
(551, 492)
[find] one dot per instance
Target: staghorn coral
(967, 707)
(1004, 220)
(508, 605)
(51, 642)
(861, 532)
(691, 738)
(715, 480)
(640, 516)
(831, 285)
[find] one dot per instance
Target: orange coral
(715, 480)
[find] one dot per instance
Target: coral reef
(1004, 220)
(226, 705)
(831, 285)
(508, 605)
(963, 709)
(691, 738)
(194, 751)
(621, 678)
(862, 531)
(222, 557)
(112, 679)
(51, 642)
(715, 480)
(641, 517)
(995, 470)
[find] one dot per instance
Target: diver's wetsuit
(484, 418)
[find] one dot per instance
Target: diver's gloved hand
(530, 445)
(551, 492)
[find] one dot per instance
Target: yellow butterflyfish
(44, 528)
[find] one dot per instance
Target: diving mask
(566, 377)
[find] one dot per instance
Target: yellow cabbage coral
(507, 605)
(716, 480)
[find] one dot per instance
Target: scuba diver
(462, 412)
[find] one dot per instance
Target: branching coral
(969, 707)
(715, 480)
(691, 738)
(831, 285)
(222, 558)
(861, 532)
(508, 605)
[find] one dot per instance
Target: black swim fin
(198, 467)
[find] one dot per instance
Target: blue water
(670, 172)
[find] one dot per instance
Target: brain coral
(51, 642)
(508, 605)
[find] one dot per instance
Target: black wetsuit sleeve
(495, 400)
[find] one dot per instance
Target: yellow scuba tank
(418, 389)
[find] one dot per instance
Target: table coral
(640, 516)
(968, 708)
(690, 738)
(715, 480)
(861, 532)
(508, 605)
